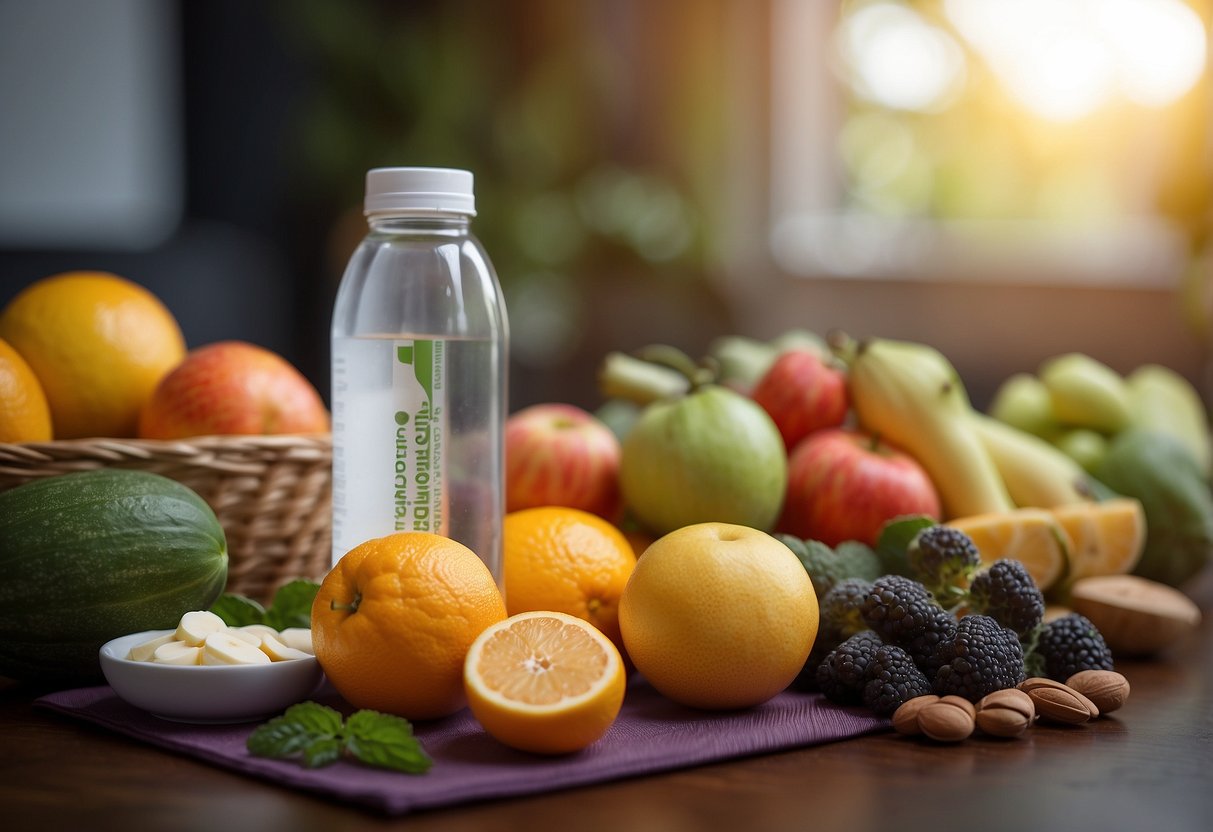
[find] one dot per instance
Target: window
(1027, 141)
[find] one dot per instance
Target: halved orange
(1108, 537)
(544, 682)
(1032, 536)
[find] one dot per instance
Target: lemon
(544, 682)
(718, 616)
(98, 344)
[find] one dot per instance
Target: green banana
(1162, 400)
(1036, 474)
(911, 396)
(1086, 393)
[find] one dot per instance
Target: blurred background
(1004, 180)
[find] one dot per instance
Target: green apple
(712, 455)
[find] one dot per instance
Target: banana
(1037, 474)
(144, 651)
(224, 648)
(195, 626)
(1163, 400)
(298, 637)
(279, 652)
(177, 652)
(911, 396)
(1086, 393)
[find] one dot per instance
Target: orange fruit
(394, 619)
(565, 560)
(719, 616)
(24, 414)
(1032, 536)
(1106, 538)
(98, 344)
(544, 682)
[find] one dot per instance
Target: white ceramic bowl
(240, 693)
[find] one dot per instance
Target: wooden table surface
(1149, 768)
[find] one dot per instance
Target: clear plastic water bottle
(419, 357)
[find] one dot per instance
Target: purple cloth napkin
(651, 734)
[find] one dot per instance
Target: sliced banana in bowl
(204, 671)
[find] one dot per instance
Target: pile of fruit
(91, 354)
(827, 517)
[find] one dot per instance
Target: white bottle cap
(419, 191)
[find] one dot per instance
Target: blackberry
(904, 613)
(1069, 644)
(943, 559)
(982, 657)
(843, 673)
(892, 678)
(1007, 593)
(841, 610)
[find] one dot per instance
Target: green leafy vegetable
(317, 734)
(291, 607)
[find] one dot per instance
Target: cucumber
(90, 556)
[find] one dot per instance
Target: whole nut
(1010, 699)
(945, 721)
(1106, 688)
(1003, 722)
(1035, 682)
(1060, 705)
(1005, 713)
(905, 718)
(962, 703)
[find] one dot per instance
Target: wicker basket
(270, 493)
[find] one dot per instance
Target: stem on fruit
(352, 606)
(843, 346)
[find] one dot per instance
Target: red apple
(845, 485)
(560, 455)
(231, 387)
(802, 394)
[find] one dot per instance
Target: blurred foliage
(593, 130)
(530, 96)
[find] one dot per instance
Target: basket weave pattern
(270, 493)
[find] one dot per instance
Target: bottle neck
(442, 224)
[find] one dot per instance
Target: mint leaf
(894, 541)
(278, 738)
(292, 605)
(317, 718)
(322, 752)
(386, 742)
(237, 611)
(317, 734)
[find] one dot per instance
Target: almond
(1010, 699)
(905, 718)
(1060, 704)
(946, 721)
(1106, 688)
(1036, 682)
(1003, 722)
(962, 703)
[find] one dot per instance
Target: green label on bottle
(419, 397)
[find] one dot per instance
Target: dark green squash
(91, 556)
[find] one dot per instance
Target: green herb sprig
(290, 607)
(318, 736)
